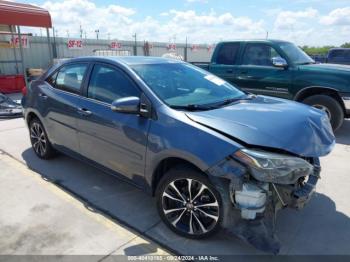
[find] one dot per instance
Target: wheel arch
(319, 90)
(166, 164)
(30, 116)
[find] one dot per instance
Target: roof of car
(257, 40)
(127, 60)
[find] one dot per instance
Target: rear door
(60, 99)
(257, 74)
(225, 65)
(112, 139)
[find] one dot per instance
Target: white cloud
(339, 16)
(306, 26)
(119, 22)
(290, 19)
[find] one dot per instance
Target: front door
(257, 74)
(112, 139)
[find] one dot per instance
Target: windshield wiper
(193, 107)
(306, 63)
(232, 100)
(196, 107)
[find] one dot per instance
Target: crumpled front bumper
(297, 196)
(259, 229)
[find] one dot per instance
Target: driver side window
(107, 84)
(259, 55)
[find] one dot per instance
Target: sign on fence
(115, 45)
(75, 44)
(14, 41)
(171, 47)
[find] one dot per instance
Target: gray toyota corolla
(213, 156)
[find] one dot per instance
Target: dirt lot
(64, 206)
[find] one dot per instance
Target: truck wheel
(330, 106)
(188, 203)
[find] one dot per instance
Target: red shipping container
(11, 84)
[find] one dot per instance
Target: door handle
(84, 112)
(42, 96)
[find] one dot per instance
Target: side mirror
(279, 62)
(128, 105)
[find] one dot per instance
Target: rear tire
(195, 213)
(39, 140)
(330, 105)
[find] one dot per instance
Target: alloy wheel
(190, 206)
(325, 109)
(38, 138)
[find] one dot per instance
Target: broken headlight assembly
(272, 167)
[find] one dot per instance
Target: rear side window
(68, 78)
(259, 55)
(345, 54)
(107, 84)
(227, 54)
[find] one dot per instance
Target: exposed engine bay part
(251, 199)
(9, 108)
(250, 206)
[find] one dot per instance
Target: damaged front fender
(250, 206)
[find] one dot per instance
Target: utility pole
(135, 45)
(81, 31)
(186, 50)
(267, 34)
(67, 33)
(97, 31)
(54, 43)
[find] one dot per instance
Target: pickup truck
(281, 69)
(339, 56)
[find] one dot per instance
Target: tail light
(24, 91)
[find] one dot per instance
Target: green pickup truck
(281, 69)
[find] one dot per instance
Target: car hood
(272, 123)
(327, 67)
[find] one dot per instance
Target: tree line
(323, 50)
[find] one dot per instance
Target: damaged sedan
(213, 156)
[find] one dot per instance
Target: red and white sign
(75, 44)
(116, 45)
(171, 47)
(194, 48)
(14, 41)
(210, 47)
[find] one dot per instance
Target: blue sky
(311, 22)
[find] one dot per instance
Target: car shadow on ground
(343, 133)
(318, 229)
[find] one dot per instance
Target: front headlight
(274, 168)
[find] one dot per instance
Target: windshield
(183, 85)
(295, 54)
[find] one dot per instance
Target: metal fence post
(22, 56)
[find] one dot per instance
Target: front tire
(188, 203)
(39, 140)
(330, 105)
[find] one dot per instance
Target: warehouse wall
(37, 54)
